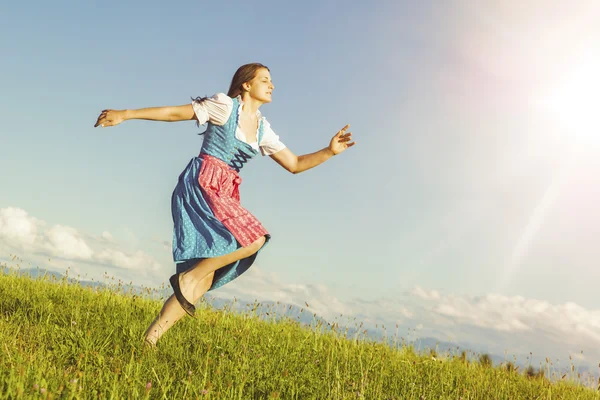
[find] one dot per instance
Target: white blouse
(217, 110)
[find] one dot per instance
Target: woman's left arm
(296, 164)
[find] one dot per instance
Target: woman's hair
(244, 74)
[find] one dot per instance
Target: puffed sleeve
(215, 109)
(270, 143)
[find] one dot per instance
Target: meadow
(61, 340)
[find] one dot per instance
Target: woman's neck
(250, 105)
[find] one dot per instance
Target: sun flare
(575, 101)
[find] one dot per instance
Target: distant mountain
(269, 310)
(34, 272)
(38, 273)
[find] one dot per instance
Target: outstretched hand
(341, 141)
(110, 118)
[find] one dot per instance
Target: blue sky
(462, 184)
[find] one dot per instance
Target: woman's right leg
(194, 283)
(172, 312)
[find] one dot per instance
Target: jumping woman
(215, 239)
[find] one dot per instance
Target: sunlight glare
(574, 102)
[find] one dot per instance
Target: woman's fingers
(342, 131)
(103, 122)
(345, 138)
(99, 120)
(103, 119)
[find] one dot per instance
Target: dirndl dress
(208, 218)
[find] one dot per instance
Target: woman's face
(261, 87)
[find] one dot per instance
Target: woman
(215, 239)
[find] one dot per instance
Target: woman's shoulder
(221, 98)
(215, 109)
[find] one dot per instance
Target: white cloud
(17, 228)
(136, 261)
(514, 322)
(66, 242)
(32, 238)
(426, 295)
(516, 314)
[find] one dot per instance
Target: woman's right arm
(165, 114)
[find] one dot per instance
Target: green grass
(61, 340)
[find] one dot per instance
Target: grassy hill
(63, 340)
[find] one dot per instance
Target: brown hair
(244, 74)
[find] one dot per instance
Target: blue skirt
(197, 232)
